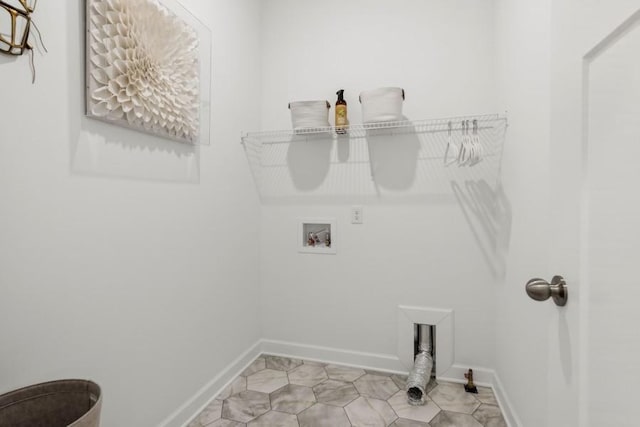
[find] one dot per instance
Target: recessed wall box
(317, 235)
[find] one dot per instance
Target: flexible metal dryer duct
(423, 365)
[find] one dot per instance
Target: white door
(611, 292)
(594, 354)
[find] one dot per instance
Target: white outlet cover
(357, 213)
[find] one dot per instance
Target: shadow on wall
(488, 214)
(337, 168)
(389, 164)
(309, 163)
(4, 58)
(394, 162)
(103, 150)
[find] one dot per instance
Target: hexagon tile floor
(281, 392)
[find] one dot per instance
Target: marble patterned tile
(367, 412)
(489, 416)
(278, 391)
(237, 386)
(449, 419)
(320, 415)
(376, 386)
(282, 363)
(274, 418)
(245, 406)
(401, 422)
(267, 380)
(307, 375)
(431, 385)
(211, 413)
(344, 373)
(315, 363)
(258, 365)
(400, 380)
(292, 399)
(337, 393)
(485, 395)
(379, 373)
(452, 397)
(423, 413)
(226, 423)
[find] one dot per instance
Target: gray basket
(65, 403)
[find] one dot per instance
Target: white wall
(439, 52)
(416, 247)
(125, 258)
(523, 64)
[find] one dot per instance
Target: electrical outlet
(356, 215)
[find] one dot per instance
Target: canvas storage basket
(382, 105)
(310, 114)
(65, 403)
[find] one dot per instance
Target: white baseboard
(378, 362)
(509, 413)
(192, 407)
(481, 376)
(373, 361)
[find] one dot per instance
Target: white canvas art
(143, 68)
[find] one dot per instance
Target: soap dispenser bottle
(341, 113)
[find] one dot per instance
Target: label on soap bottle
(341, 115)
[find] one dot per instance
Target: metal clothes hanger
(451, 147)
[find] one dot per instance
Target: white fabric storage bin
(382, 105)
(309, 114)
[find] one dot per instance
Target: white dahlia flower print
(144, 66)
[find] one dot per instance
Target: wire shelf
(371, 160)
(487, 121)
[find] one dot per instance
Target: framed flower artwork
(148, 68)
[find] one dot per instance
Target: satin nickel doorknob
(541, 290)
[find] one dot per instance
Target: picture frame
(148, 68)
